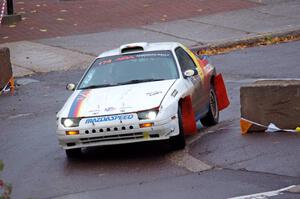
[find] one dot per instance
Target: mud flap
(188, 117)
(222, 97)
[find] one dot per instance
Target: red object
(222, 97)
(202, 62)
(188, 117)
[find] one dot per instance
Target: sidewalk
(63, 53)
(52, 18)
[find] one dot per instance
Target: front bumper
(100, 135)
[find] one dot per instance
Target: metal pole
(10, 7)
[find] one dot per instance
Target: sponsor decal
(109, 109)
(174, 93)
(154, 93)
(195, 79)
(109, 118)
(109, 60)
(78, 102)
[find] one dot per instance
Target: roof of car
(146, 47)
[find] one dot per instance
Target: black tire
(212, 117)
(178, 141)
(73, 153)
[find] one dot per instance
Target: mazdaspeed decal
(109, 118)
(78, 102)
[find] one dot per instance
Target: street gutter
(260, 40)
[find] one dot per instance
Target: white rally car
(139, 92)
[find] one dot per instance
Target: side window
(185, 61)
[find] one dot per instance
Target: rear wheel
(178, 141)
(212, 117)
(73, 153)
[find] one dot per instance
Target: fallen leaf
(43, 30)
(5, 37)
(200, 10)
(59, 19)
(1, 165)
(165, 16)
(63, 11)
(146, 5)
(38, 5)
(33, 11)
(12, 26)
(20, 2)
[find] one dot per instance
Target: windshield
(129, 69)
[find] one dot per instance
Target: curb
(248, 41)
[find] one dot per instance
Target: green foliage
(5, 188)
(1, 165)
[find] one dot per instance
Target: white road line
(20, 115)
(264, 195)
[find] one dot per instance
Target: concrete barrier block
(5, 67)
(272, 101)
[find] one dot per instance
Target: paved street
(267, 153)
(38, 168)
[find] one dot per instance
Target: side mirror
(190, 73)
(70, 87)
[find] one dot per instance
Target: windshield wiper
(134, 81)
(97, 86)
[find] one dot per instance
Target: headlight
(147, 115)
(70, 122)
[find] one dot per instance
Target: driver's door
(186, 63)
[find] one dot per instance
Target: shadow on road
(125, 152)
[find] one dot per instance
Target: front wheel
(73, 153)
(212, 117)
(178, 141)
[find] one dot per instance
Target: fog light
(72, 132)
(144, 125)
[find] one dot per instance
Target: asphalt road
(38, 168)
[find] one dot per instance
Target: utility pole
(11, 17)
(10, 7)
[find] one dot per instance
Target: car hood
(116, 100)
